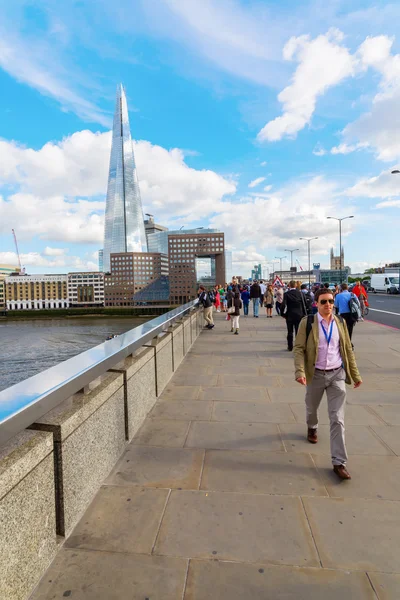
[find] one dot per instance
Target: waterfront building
(86, 289)
(124, 224)
(184, 249)
(35, 292)
(2, 295)
(130, 272)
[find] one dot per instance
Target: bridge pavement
(220, 496)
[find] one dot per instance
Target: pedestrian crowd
(320, 320)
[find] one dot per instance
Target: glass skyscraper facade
(124, 224)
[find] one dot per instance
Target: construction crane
(301, 268)
(16, 248)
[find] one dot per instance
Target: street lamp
(291, 256)
(308, 240)
(280, 258)
(340, 238)
(273, 267)
(396, 172)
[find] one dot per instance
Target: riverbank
(141, 312)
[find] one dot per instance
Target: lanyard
(328, 336)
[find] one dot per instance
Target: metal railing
(26, 402)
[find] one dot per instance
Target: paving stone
(235, 369)
(148, 466)
(237, 581)
(288, 395)
(180, 392)
(234, 394)
(389, 413)
(373, 397)
(181, 378)
(191, 410)
(236, 436)
(390, 435)
(250, 381)
(242, 527)
(120, 519)
(372, 477)
(158, 432)
(252, 412)
(387, 585)
(88, 575)
(359, 440)
(356, 534)
(355, 415)
(261, 473)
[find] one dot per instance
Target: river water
(28, 347)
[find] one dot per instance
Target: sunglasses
(331, 301)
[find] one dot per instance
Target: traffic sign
(278, 281)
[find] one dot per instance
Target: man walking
(342, 303)
(361, 293)
(205, 300)
(263, 288)
(324, 361)
(255, 295)
(293, 309)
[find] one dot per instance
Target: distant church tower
(335, 261)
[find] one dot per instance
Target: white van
(382, 282)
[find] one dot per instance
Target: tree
(372, 270)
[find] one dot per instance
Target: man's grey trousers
(333, 382)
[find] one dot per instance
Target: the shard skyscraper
(124, 224)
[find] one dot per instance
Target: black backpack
(212, 297)
(310, 321)
(309, 302)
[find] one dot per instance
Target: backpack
(309, 302)
(310, 321)
(211, 295)
(354, 308)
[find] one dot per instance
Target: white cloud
(264, 163)
(346, 148)
(323, 63)
(319, 151)
(54, 251)
(267, 188)
(388, 204)
(256, 182)
(384, 185)
(37, 259)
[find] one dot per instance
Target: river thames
(28, 347)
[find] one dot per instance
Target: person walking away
(361, 293)
(269, 301)
(278, 299)
(217, 299)
(263, 288)
(325, 362)
(344, 302)
(308, 298)
(245, 296)
(206, 301)
(293, 309)
(255, 295)
(236, 304)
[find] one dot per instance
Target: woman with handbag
(269, 301)
(234, 306)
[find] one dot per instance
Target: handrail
(24, 403)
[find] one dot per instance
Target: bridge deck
(220, 496)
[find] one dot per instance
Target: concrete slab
(389, 413)
(183, 378)
(148, 466)
(233, 394)
(120, 519)
(191, 410)
(252, 412)
(180, 392)
(158, 432)
(372, 477)
(238, 581)
(355, 415)
(238, 367)
(359, 440)
(249, 381)
(386, 585)
(374, 397)
(88, 575)
(390, 435)
(242, 527)
(288, 395)
(356, 534)
(261, 473)
(235, 436)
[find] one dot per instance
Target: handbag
(231, 310)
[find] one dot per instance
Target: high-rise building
(151, 227)
(101, 262)
(124, 225)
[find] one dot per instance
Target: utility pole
(280, 259)
(291, 256)
(308, 240)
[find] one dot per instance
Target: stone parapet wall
(50, 473)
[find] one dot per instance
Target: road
(384, 309)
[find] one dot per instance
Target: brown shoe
(312, 436)
(341, 471)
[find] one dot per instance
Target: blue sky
(259, 118)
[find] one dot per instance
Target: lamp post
(273, 267)
(308, 240)
(340, 238)
(280, 258)
(291, 256)
(397, 172)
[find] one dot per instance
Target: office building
(35, 292)
(184, 249)
(129, 273)
(256, 273)
(158, 241)
(2, 295)
(101, 261)
(86, 289)
(124, 225)
(150, 227)
(6, 270)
